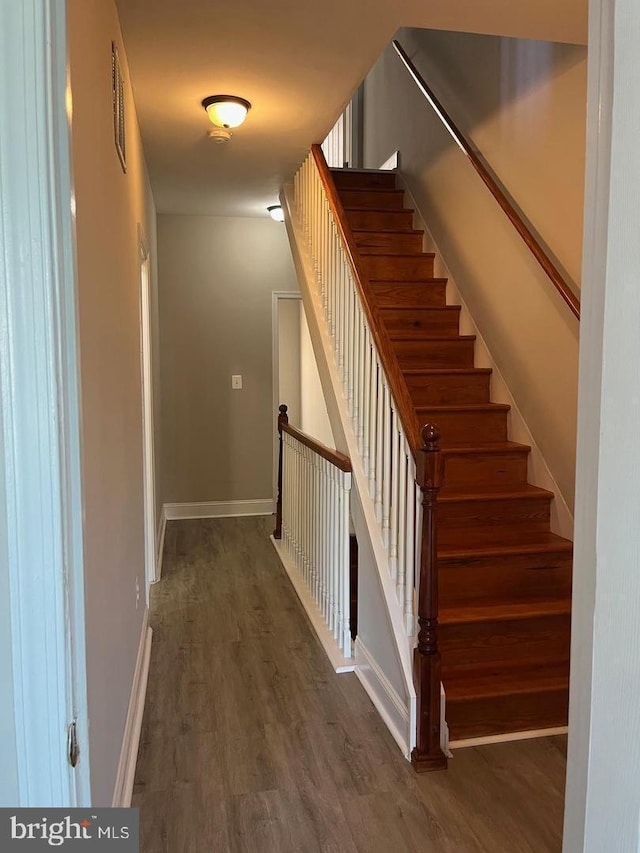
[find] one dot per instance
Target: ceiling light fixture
(276, 212)
(226, 111)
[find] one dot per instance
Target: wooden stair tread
(499, 612)
(402, 231)
(352, 209)
(486, 447)
(413, 282)
(464, 408)
(397, 254)
(451, 308)
(485, 491)
(381, 190)
(525, 543)
(485, 680)
(405, 336)
(444, 371)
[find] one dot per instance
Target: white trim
(146, 381)
(162, 529)
(276, 296)
(507, 738)
(394, 711)
(338, 661)
(391, 164)
(218, 509)
(133, 724)
(40, 474)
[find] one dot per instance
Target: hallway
(250, 742)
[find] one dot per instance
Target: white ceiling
(297, 61)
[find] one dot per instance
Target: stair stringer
(383, 651)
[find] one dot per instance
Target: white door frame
(40, 472)
(276, 296)
(148, 454)
(603, 772)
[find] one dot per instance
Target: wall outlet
(236, 382)
(137, 593)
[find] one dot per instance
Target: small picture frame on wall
(117, 87)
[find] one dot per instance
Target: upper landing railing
(556, 277)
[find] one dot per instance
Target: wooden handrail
(461, 141)
(337, 459)
(395, 377)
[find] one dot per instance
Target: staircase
(504, 577)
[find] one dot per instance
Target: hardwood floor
(250, 742)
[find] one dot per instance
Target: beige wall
(314, 418)
(216, 277)
(110, 205)
(523, 105)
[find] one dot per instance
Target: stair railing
(552, 271)
(385, 426)
(312, 519)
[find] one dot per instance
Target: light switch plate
(236, 382)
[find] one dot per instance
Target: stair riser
(537, 638)
(470, 469)
(371, 242)
(363, 180)
(467, 428)
(455, 519)
(398, 268)
(453, 390)
(392, 295)
(372, 219)
(372, 198)
(426, 354)
(431, 322)
(519, 712)
(501, 579)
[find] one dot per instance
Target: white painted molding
(394, 711)
(133, 724)
(162, 528)
(528, 735)
(218, 509)
(338, 661)
(40, 454)
(539, 473)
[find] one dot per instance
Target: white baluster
(402, 518)
(366, 415)
(373, 417)
(379, 445)
(410, 549)
(393, 524)
(386, 466)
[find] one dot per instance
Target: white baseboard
(160, 543)
(133, 724)
(506, 738)
(393, 710)
(218, 509)
(338, 661)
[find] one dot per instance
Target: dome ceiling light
(276, 212)
(225, 112)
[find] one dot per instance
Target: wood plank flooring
(251, 744)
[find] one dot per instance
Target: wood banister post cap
(431, 437)
(429, 459)
(283, 417)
